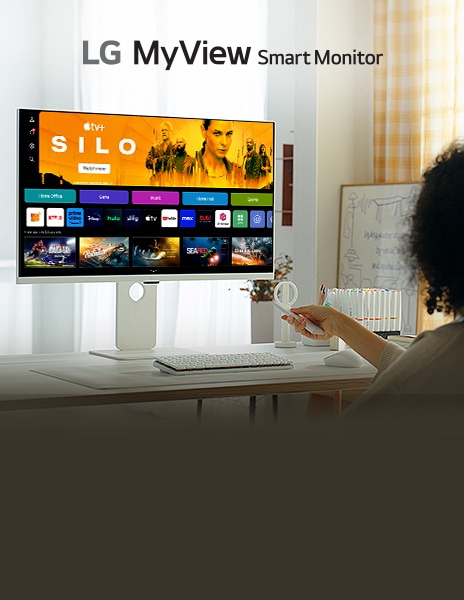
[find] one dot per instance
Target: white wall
(326, 112)
(344, 121)
(292, 105)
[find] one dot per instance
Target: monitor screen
(117, 197)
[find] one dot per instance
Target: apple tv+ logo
(88, 126)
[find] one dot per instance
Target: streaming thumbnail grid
(102, 252)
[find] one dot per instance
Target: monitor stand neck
(135, 322)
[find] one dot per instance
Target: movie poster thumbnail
(50, 252)
(251, 251)
(129, 150)
(103, 252)
(156, 252)
(205, 251)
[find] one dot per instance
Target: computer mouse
(343, 358)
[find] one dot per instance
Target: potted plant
(261, 293)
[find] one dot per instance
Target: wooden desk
(63, 380)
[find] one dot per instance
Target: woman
(215, 169)
(433, 366)
(264, 178)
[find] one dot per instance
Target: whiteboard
(373, 221)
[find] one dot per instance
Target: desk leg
(199, 407)
(319, 404)
(324, 404)
(338, 399)
(252, 409)
(275, 406)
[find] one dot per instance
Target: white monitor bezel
(127, 277)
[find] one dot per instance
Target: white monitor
(137, 198)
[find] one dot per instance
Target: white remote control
(310, 326)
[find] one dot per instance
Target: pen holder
(377, 309)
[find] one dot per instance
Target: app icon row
(56, 217)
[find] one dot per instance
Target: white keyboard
(189, 364)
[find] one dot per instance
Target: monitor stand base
(116, 354)
(135, 322)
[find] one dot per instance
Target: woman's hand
(366, 343)
(324, 316)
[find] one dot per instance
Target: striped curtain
(419, 87)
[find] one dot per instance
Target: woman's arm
(366, 343)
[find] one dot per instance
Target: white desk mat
(125, 376)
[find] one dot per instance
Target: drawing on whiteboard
(402, 205)
(373, 224)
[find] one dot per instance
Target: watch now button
(99, 168)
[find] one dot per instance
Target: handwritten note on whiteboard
(373, 221)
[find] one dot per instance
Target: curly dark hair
(435, 243)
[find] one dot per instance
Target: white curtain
(200, 313)
(16, 317)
